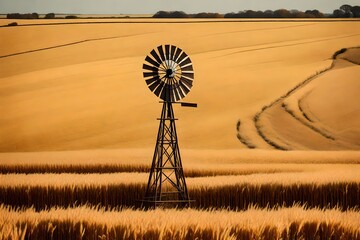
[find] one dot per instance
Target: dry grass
(320, 174)
(194, 170)
(237, 196)
(328, 188)
(95, 223)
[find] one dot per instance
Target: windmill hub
(169, 73)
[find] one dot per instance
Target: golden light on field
(80, 86)
(78, 127)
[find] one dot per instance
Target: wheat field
(87, 222)
(77, 128)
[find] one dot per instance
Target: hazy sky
(152, 6)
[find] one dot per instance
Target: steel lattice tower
(166, 184)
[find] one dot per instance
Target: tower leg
(166, 184)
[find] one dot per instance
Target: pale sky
(152, 6)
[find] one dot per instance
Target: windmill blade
(161, 52)
(177, 54)
(147, 67)
(187, 68)
(176, 94)
(152, 62)
(150, 74)
(187, 82)
(177, 86)
(156, 56)
(154, 85)
(184, 88)
(188, 75)
(181, 57)
(185, 62)
(167, 52)
(172, 52)
(159, 89)
(152, 80)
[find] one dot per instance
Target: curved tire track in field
(309, 125)
(302, 110)
(278, 101)
(242, 138)
(278, 144)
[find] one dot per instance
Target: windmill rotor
(168, 73)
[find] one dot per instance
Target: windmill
(169, 74)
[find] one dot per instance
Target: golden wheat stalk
(94, 223)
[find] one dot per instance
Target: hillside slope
(322, 113)
(80, 86)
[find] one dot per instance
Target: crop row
(237, 196)
(191, 171)
(339, 174)
(95, 223)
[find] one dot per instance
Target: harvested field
(316, 112)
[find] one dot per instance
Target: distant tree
(230, 15)
(201, 15)
(294, 12)
(178, 14)
(34, 16)
(345, 8)
(175, 14)
(344, 11)
(282, 13)
(250, 14)
(207, 15)
(315, 13)
(300, 14)
(161, 14)
(260, 14)
(241, 14)
(338, 13)
(50, 16)
(269, 14)
(356, 11)
(13, 15)
(22, 16)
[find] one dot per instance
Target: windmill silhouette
(169, 74)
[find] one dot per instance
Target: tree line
(345, 11)
(33, 16)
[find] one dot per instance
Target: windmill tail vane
(169, 74)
